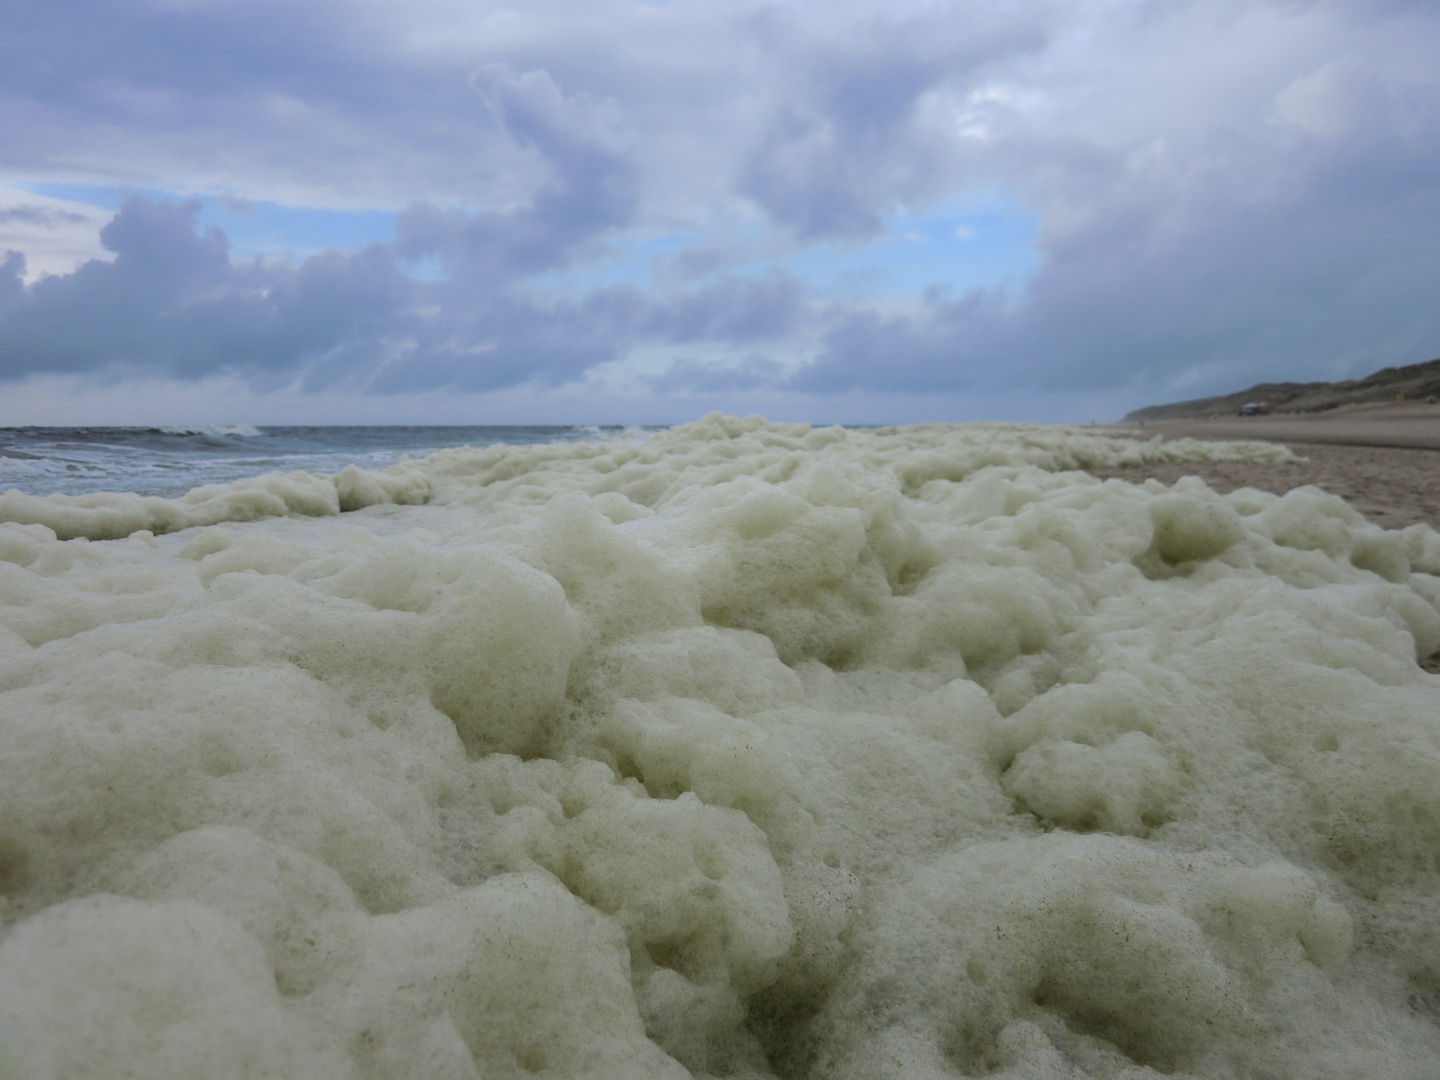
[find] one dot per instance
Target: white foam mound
(105, 515)
(748, 751)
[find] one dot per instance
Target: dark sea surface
(172, 460)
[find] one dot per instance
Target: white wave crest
(242, 430)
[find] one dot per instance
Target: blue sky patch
(256, 228)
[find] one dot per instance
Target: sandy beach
(1392, 486)
(1384, 460)
(1407, 424)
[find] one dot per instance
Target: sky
(315, 211)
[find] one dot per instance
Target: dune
(753, 750)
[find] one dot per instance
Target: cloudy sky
(457, 211)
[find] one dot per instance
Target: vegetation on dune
(1414, 381)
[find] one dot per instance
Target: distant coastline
(1414, 382)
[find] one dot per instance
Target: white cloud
(54, 235)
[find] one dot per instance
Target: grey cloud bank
(1223, 192)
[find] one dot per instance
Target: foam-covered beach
(750, 750)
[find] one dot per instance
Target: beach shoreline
(1392, 486)
(1411, 425)
(1382, 459)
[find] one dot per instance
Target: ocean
(172, 460)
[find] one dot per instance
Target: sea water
(173, 459)
(743, 750)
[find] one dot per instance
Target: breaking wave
(217, 430)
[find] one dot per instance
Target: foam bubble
(749, 750)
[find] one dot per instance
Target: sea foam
(749, 750)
